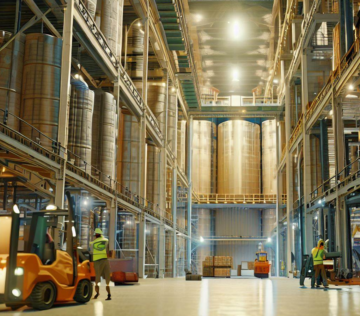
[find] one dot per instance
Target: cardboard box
(223, 261)
(208, 272)
(209, 261)
(222, 272)
(251, 265)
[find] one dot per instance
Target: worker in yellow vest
(318, 255)
(100, 251)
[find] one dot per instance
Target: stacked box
(223, 261)
(208, 271)
(222, 272)
(209, 262)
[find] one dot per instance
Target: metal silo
(156, 100)
(11, 72)
(181, 144)
(130, 159)
(172, 121)
(269, 156)
(204, 150)
(109, 22)
(91, 6)
(153, 188)
(239, 158)
(80, 124)
(41, 87)
(103, 135)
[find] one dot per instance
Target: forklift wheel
(43, 296)
(83, 291)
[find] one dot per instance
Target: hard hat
(98, 231)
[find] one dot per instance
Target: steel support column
(64, 97)
(173, 206)
(143, 148)
(141, 245)
(162, 251)
(189, 196)
(289, 176)
(278, 199)
(346, 25)
(342, 229)
(306, 230)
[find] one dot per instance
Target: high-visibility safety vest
(99, 248)
(318, 254)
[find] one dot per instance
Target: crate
(223, 261)
(222, 272)
(208, 272)
(209, 262)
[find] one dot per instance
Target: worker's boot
(97, 289)
(108, 291)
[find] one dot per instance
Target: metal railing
(334, 77)
(350, 173)
(296, 132)
(127, 80)
(80, 167)
(96, 31)
(213, 198)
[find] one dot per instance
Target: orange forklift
(32, 271)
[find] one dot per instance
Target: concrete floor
(170, 297)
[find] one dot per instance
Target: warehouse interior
(198, 135)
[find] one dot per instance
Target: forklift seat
(49, 253)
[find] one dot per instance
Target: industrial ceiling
(234, 41)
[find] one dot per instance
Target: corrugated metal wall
(237, 222)
(269, 222)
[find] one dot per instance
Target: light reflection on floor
(171, 297)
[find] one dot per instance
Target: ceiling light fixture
(236, 30)
(351, 87)
(235, 76)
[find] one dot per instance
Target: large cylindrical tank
(41, 87)
(109, 22)
(80, 124)
(204, 150)
(181, 144)
(103, 135)
(172, 121)
(239, 158)
(11, 72)
(120, 28)
(91, 6)
(156, 100)
(269, 156)
(153, 188)
(130, 159)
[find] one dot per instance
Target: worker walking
(318, 255)
(100, 250)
